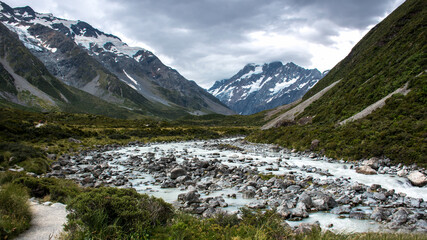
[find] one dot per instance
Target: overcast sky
(209, 40)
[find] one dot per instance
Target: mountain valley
(136, 151)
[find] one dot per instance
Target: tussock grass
(15, 213)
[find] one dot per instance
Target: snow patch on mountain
(131, 78)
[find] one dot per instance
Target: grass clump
(113, 213)
(15, 213)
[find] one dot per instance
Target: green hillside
(392, 54)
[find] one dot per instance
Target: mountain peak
(25, 11)
(102, 64)
(256, 88)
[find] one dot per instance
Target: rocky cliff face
(103, 65)
(256, 88)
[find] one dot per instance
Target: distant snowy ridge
(259, 87)
(81, 32)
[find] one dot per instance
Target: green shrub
(113, 213)
(32, 159)
(15, 213)
(61, 190)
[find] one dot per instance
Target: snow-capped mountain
(256, 88)
(103, 65)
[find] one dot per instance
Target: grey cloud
(208, 39)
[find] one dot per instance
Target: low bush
(32, 159)
(56, 189)
(113, 213)
(15, 213)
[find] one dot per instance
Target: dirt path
(379, 104)
(47, 222)
(290, 115)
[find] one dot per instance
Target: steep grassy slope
(392, 54)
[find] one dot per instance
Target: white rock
(417, 178)
(366, 170)
(402, 173)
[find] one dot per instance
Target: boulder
(314, 144)
(344, 209)
(306, 200)
(324, 202)
(367, 170)
(402, 173)
(300, 211)
(259, 204)
(51, 156)
(380, 196)
(380, 214)
(421, 224)
(358, 214)
(189, 197)
(56, 166)
(283, 211)
(249, 193)
(417, 178)
(372, 162)
(177, 172)
(400, 216)
(306, 228)
(73, 140)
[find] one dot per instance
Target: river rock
(177, 172)
(300, 211)
(73, 140)
(372, 162)
(417, 179)
(380, 214)
(421, 224)
(259, 204)
(358, 214)
(380, 196)
(323, 202)
(56, 166)
(283, 211)
(306, 200)
(400, 216)
(249, 193)
(189, 197)
(306, 228)
(314, 144)
(344, 209)
(402, 172)
(367, 170)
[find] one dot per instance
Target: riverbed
(228, 173)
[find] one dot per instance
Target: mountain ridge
(101, 64)
(257, 87)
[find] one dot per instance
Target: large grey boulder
(380, 214)
(400, 216)
(300, 211)
(189, 197)
(177, 172)
(306, 200)
(343, 209)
